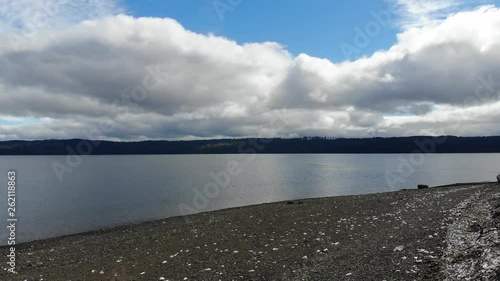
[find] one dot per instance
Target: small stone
(399, 248)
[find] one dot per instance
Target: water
(104, 191)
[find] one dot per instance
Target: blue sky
(20, 121)
(315, 27)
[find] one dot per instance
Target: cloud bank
(124, 78)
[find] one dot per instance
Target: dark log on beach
(422, 186)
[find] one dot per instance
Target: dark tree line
(449, 144)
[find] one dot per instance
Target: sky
(135, 70)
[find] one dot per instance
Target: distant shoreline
(313, 238)
(315, 145)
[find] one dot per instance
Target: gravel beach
(431, 234)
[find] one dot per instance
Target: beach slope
(430, 234)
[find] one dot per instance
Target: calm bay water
(104, 191)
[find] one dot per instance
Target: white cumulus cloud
(120, 77)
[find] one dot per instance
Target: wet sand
(406, 235)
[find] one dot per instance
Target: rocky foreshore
(446, 233)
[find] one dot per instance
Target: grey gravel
(401, 235)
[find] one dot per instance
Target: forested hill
(447, 144)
